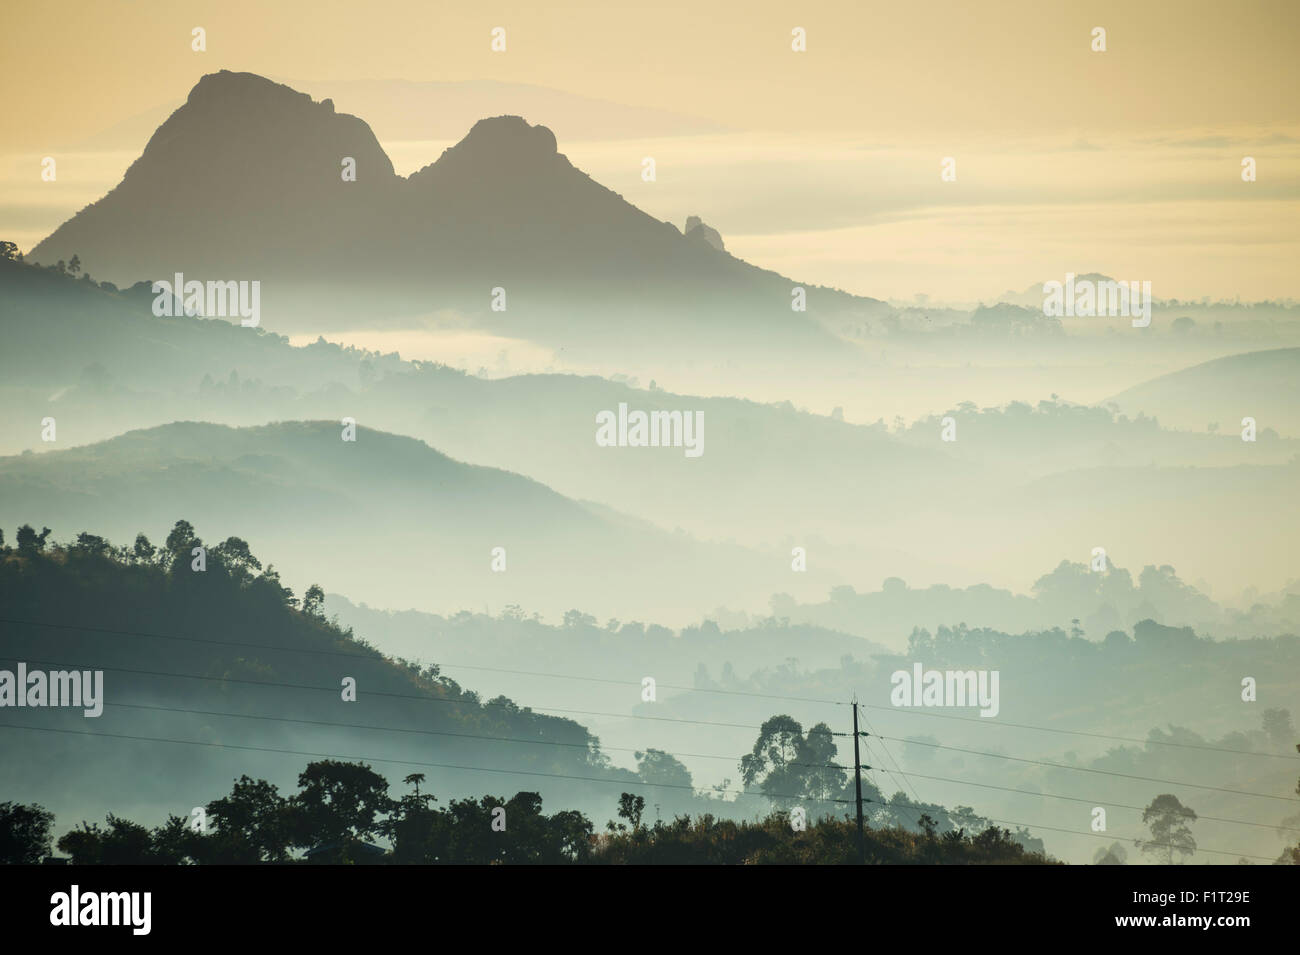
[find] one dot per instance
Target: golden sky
(1124, 161)
(920, 65)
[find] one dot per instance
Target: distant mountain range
(246, 181)
(866, 502)
(387, 517)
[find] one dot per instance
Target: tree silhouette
(789, 766)
(252, 823)
(1168, 820)
(631, 807)
(143, 551)
(338, 804)
(24, 833)
(123, 843)
(777, 743)
(418, 833)
(662, 769)
(180, 541)
(311, 604)
(251, 826)
(233, 554)
(89, 545)
(29, 542)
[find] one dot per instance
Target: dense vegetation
(202, 632)
(229, 657)
(340, 806)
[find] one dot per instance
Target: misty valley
(356, 509)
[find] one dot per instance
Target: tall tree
(338, 803)
(789, 766)
(311, 604)
(251, 823)
(180, 542)
(630, 807)
(1169, 821)
(778, 742)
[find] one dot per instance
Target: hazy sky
(1126, 161)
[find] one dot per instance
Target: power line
(422, 732)
(379, 656)
(1106, 836)
(401, 696)
(1086, 769)
(538, 773)
(1051, 729)
(857, 787)
(1102, 835)
(1086, 800)
(404, 762)
(890, 756)
(639, 716)
(544, 710)
(897, 770)
(629, 749)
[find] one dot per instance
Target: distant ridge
(246, 181)
(1264, 385)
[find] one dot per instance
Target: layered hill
(866, 503)
(101, 363)
(207, 676)
(387, 518)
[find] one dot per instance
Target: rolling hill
(1264, 385)
(386, 517)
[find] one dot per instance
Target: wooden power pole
(857, 783)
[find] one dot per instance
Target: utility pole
(857, 783)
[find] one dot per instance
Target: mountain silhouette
(246, 181)
(234, 182)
